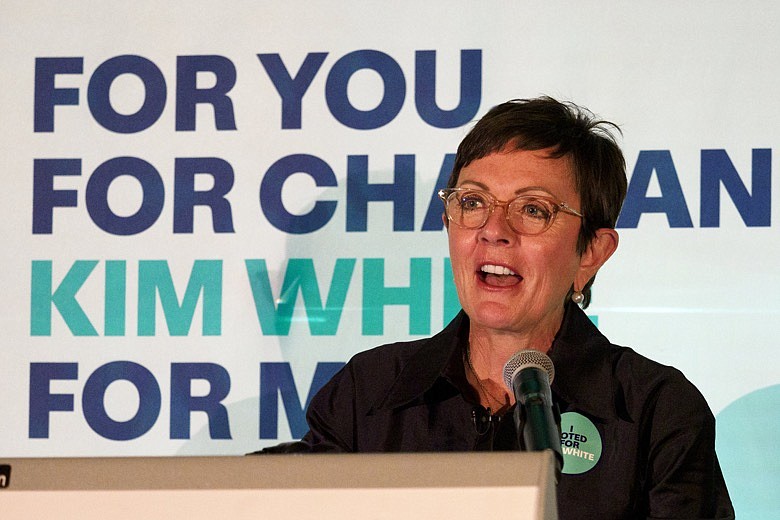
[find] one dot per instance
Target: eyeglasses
(526, 215)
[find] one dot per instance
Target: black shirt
(657, 434)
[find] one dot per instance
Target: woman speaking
(530, 210)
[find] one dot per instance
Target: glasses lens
(529, 215)
(468, 208)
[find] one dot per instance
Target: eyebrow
(517, 192)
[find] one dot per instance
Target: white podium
(301, 487)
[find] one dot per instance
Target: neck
(491, 349)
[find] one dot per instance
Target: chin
(494, 315)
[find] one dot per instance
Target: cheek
(457, 245)
(557, 261)
(461, 251)
(566, 266)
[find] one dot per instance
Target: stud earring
(577, 297)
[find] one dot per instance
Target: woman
(530, 211)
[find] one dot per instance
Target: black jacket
(657, 433)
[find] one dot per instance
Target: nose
(496, 229)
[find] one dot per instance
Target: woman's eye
(536, 210)
(472, 203)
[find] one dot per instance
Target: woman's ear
(596, 254)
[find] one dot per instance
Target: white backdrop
(115, 116)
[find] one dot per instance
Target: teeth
(497, 269)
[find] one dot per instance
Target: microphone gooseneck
(529, 374)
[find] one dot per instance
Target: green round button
(580, 443)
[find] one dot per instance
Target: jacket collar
(583, 368)
(580, 354)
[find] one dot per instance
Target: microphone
(529, 374)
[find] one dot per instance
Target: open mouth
(498, 275)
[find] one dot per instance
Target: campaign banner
(209, 207)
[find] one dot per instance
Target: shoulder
(394, 374)
(425, 355)
(613, 381)
(398, 352)
(648, 383)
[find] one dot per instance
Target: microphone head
(525, 359)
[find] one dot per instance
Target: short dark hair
(599, 167)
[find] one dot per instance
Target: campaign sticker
(580, 443)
